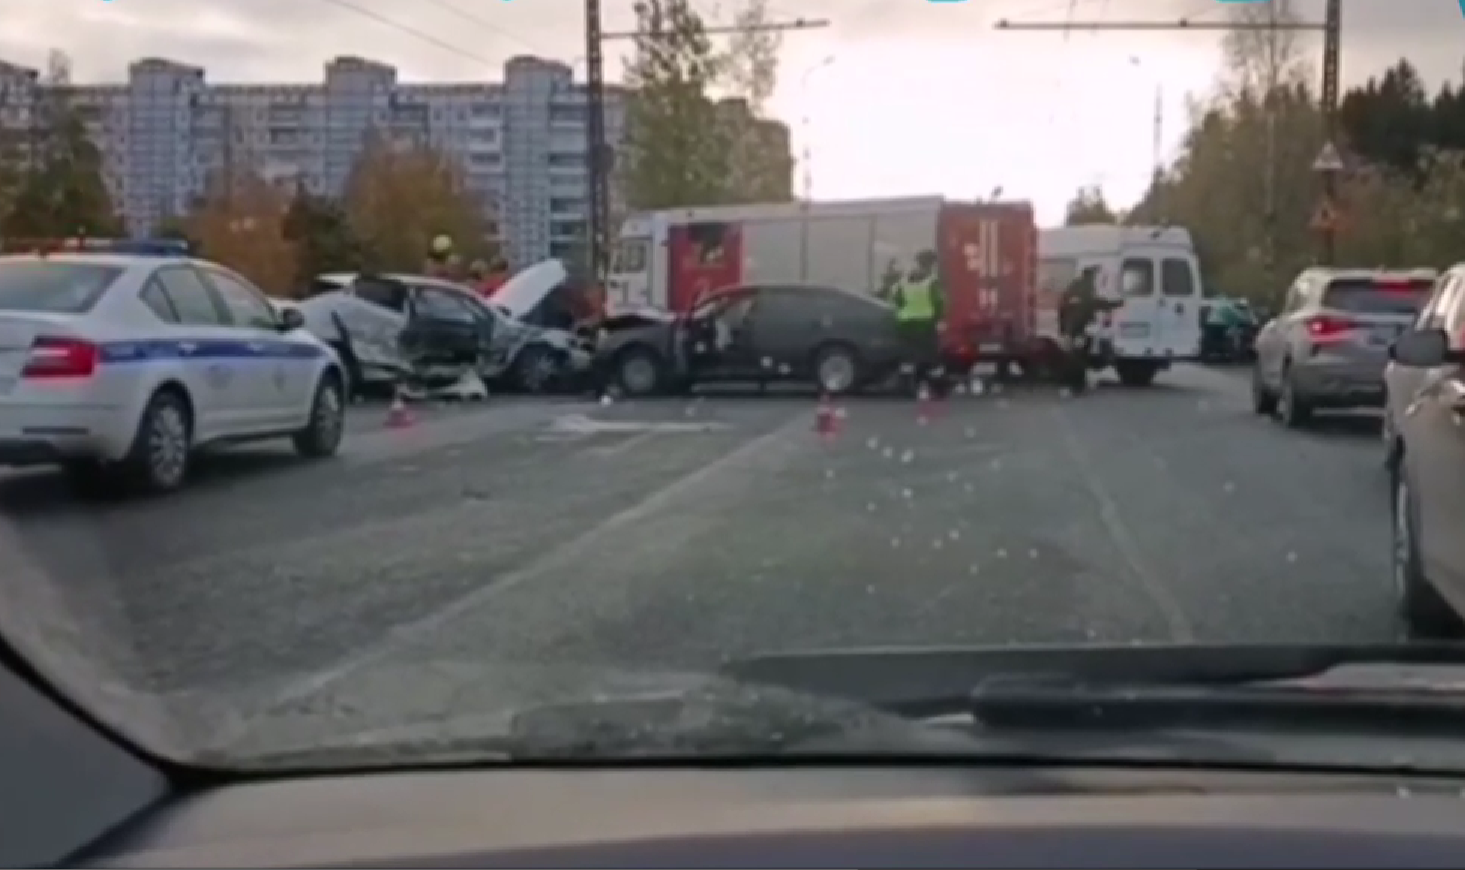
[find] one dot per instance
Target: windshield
(832, 348)
(53, 286)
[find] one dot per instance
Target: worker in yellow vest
(919, 307)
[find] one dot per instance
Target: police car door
(209, 357)
(280, 379)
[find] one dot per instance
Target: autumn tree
(321, 232)
(760, 163)
(676, 151)
(61, 189)
(399, 197)
(1089, 206)
(240, 223)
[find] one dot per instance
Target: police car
(118, 367)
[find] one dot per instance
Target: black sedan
(839, 340)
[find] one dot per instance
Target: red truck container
(987, 253)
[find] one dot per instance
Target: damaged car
(435, 336)
(839, 340)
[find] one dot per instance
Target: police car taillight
(53, 358)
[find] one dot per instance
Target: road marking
(1147, 580)
(625, 446)
(572, 553)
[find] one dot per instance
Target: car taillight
(52, 358)
(1327, 328)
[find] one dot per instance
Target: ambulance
(1152, 272)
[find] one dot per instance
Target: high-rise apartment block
(167, 129)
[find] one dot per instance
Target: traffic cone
(399, 416)
(826, 420)
(924, 405)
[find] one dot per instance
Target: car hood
(522, 293)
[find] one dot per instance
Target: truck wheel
(1136, 374)
(836, 369)
(640, 372)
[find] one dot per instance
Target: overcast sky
(894, 97)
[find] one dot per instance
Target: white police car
(118, 367)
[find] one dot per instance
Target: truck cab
(1152, 272)
(639, 264)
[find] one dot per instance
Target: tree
(321, 232)
(241, 223)
(676, 151)
(61, 190)
(761, 166)
(1088, 206)
(400, 196)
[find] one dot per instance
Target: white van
(1152, 271)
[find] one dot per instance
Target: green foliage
(58, 187)
(1088, 206)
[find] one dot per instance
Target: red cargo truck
(987, 253)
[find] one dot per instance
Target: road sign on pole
(1328, 159)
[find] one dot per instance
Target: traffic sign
(1325, 219)
(1328, 159)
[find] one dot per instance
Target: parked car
(1327, 348)
(837, 339)
(1424, 437)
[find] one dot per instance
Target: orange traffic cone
(399, 416)
(826, 420)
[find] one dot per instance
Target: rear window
(53, 286)
(1374, 296)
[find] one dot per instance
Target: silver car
(1327, 348)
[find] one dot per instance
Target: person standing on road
(919, 306)
(1079, 308)
(439, 255)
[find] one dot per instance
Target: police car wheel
(639, 371)
(159, 459)
(321, 437)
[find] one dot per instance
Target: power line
(412, 31)
(767, 27)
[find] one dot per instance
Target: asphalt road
(675, 534)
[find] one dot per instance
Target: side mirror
(291, 319)
(1422, 349)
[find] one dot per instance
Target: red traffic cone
(399, 416)
(826, 420)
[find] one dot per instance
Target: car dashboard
(946, 816)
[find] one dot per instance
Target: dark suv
(1424, 438)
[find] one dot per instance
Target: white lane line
(1149, 583)
(572, 553)
(626, 445)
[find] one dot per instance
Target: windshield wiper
(935, 680)
(1047, 703)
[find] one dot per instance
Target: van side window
(1137, 277)
(1176, 277)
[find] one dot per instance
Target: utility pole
(600, 153)
(1328, 163)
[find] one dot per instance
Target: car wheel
(1292, 409)
(536, 368)
(836, 369)
(161, 453)
(1262, 400)
(322, 435)
(639, 372)
(1423, 613)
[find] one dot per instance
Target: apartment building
(164, 131)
